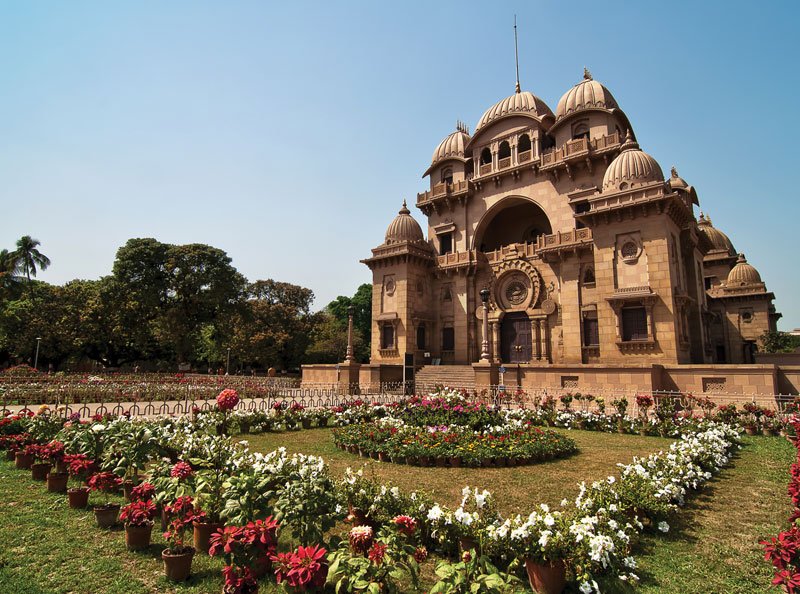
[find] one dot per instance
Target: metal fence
(154, 395)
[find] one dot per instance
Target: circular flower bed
(448, 431)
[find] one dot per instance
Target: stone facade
(590, 256)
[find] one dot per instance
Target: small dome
(716, 238)
(676, 182)
(523, 102)
(632, 167)
(587, 94)
(404, 228)
(743, 274)
(452, 146)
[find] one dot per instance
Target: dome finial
(674, 171)
(741, 259)
(517, 89)
(586, 74)
(629, 142)
(404, 210)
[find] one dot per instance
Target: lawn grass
(712, 547)
(516, 490)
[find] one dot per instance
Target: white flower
(435, 513)
(663, 526)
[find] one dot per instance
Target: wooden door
(515, 338)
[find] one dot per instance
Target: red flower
(420, 554)
(182, 470)
(106, 482)
(377, 552)
(143, 492)
(405, 524)
(227, 399)
(301, 569)
(138, 513)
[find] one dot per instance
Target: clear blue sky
(288, 134)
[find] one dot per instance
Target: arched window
(505, 150)
(447, 175)
(588, 276)
(580, 130)
(524, 143)
(470, 169)
(486, 156)
(421, 337)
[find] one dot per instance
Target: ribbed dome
(404, 228)
(743, 273)
(520, 102)
(632, 166)
(452, 146)
(587, 94)
(716, 238)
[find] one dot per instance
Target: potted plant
(247, 551)
(302, 570)
(178, 555)
(137, 517)
(210, 488)
(131, 449)
(540, 541)
(41, 461)
(643, 403)
(107, 483)
(79, 467)
(24, 457)
(58, 476)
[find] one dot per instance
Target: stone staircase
(451, 376)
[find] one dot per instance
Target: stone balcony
(563, 241)
(577, 149)
(442, 193)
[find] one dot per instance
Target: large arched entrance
(515, 338)
(515, 220)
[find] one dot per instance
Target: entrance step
(449, 376)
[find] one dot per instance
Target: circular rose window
(516, 292)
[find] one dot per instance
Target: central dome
(521, 102)
(632, 167)
(587, 94)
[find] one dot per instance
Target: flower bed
(454, 445)
(198, 476)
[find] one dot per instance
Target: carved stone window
(447, 175)
(588, 276)
(629, 251)
(387, 335)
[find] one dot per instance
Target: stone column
(536, 325)
(495, 341)
(349, 358)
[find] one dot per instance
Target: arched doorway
(515, 338)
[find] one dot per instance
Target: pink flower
(377, 553)
(405, 524)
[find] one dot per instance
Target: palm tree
(8, 269)
(27, 257)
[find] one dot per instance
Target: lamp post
(228, 362)
(485, 342)
(349, 358)
(36, 358)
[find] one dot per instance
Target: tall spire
(516, 54)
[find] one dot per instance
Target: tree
(9, 280)
(329, 338)
(779, 342)
(27, 257)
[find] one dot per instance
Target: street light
(36, 358)
(228, 364)
(485, 342)
(349, 358)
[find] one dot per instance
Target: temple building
(584, 252)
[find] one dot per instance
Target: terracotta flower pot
(177, 566)
(441, 462)
(202, 535)
(40, 470)
(78, 498)
(383, 457)
(546, 579)
(23, 461)
(57, 482)
(137, 538)
(306, 423)
(106, 515)
(767, 432)
(424, 461)
(244, 428)
(750, 430)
